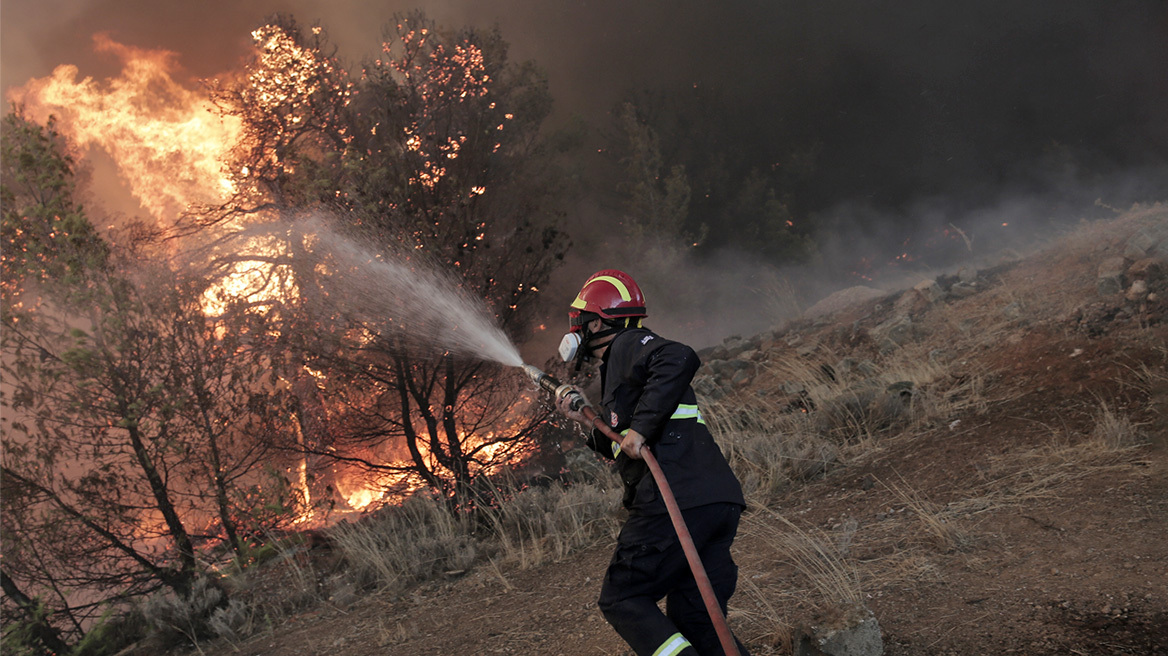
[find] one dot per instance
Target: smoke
(998, 120)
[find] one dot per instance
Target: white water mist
(408, 299)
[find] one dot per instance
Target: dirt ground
(1004, 530)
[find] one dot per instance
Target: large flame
(170, 144)
(168, 141)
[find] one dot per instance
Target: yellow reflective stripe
(620, 286)
(615, 449)
(672, 646)
(688, 411)
(578, 303)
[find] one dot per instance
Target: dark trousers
(649, 564)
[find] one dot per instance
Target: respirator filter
(570, 346)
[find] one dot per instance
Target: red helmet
(608, 294)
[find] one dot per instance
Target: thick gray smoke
(999, 118)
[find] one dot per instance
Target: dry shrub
(805, 416)
(532, 524)
(772, 604)
(233, 621)
(402, 545)
(767, 449)
(174, 619)
(1114, 432)
(286, 581)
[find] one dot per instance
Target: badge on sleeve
(613, 421)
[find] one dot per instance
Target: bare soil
(1047, 544)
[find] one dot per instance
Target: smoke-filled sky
(959, 86)
(923, 111)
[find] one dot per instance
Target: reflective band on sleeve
(687, 411)
(616, 445)
(672, 646)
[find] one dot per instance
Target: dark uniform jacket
(646, 385)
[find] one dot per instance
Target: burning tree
(432, 157)
(128, 410)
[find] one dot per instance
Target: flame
(169, 142)
(170, 145)
(362, 493)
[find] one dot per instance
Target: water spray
(577, 402)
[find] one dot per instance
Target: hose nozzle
(555, 387)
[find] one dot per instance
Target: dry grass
(837, 410)
(538, 524)
(1114, 432)
(1016, 478)
(941, 530)
(822, 580)
(768, 450)
(402, 545)
(525, 526)
(827, 571)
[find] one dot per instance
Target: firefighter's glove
(632, 444)
(563, 404)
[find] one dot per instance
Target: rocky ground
(1032, 519)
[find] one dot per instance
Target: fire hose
(577, 402)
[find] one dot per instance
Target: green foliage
(113, 632)
(44, 235)
(680, 175)
(23, 636)
(657, 196)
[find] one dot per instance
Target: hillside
(982, 460)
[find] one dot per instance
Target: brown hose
(687, 545)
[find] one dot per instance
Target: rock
(793, 388)
(741, 377)
(1008, 255)
(749, 355)
(963, 289)
(929, 290)
(842, 300)
(1144, 242)
(967, 274)
(1110, 280)
(846, 367)
(893, 333)
(1149, 269)
(918, 299)
(1138, 291)
(855, 633)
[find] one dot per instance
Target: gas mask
(575, 345)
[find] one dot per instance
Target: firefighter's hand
(563, 404)
(632, 444)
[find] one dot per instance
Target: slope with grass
(981, 461)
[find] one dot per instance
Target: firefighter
(647, 398)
